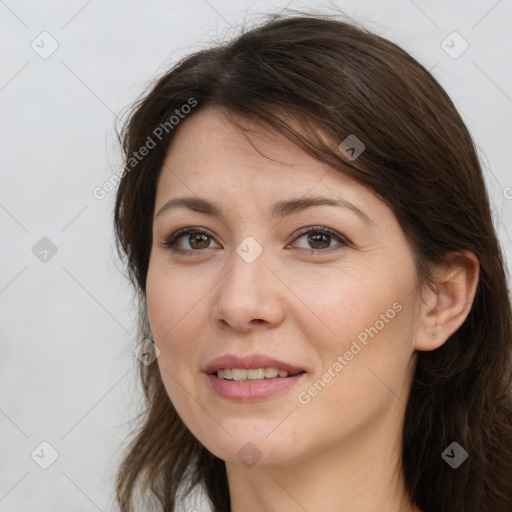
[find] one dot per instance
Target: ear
(446, 307)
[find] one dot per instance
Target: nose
(249, 295)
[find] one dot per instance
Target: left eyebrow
(279, 210)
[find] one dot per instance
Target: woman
(305, 221)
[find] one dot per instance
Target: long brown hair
(334, 77)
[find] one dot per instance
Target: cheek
(368, 322)
(341, 305)
(173, 300)
(359, 380)
(173, 313)
(171, 318)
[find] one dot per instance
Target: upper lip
(250, 362)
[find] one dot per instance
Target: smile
(255, 374)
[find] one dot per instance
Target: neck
(362, 474)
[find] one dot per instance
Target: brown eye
(319, 240)
(197, 240)
(200, 239)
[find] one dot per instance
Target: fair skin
(340, 451)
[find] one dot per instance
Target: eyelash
(171, 241)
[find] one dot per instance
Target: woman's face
(259, 281)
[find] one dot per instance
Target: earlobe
(448, 305)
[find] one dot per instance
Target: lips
(250, 362)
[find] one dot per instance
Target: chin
(252, 450)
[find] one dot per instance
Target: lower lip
(251, 390)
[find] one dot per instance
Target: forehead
(209, 153)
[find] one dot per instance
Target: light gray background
(67, 372)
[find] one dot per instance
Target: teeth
(252, 374)
(270, 373)
(256, 373)
(238, 374)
